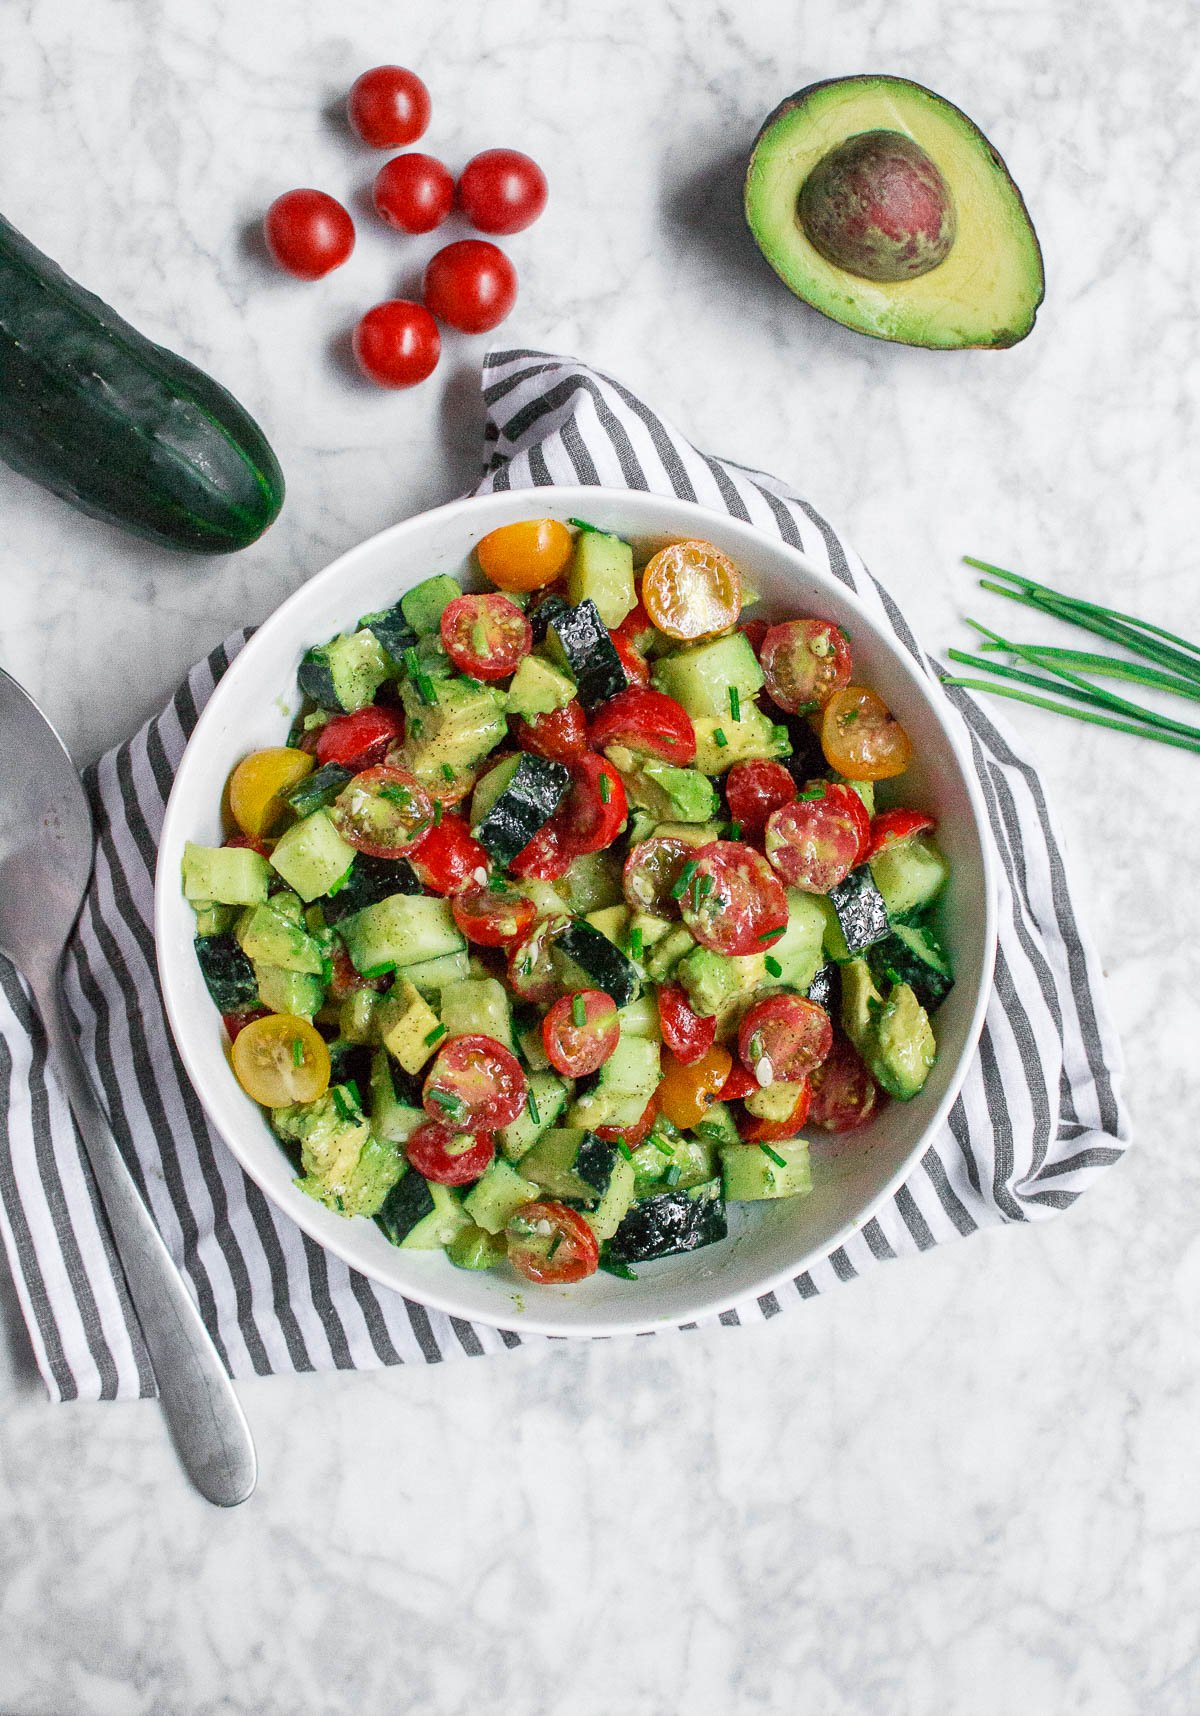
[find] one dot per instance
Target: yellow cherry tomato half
(256, 783)
(861, 738)
(685, 1092)
(527, 555)
(691, 590)
(281, 1059)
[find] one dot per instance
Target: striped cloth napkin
(1038, 1118)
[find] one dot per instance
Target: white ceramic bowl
(769, 1243)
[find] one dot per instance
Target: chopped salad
(566, 916)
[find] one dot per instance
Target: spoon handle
(205, 1418)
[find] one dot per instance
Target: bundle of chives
(1168, 663)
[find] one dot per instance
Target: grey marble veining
(966, 1485)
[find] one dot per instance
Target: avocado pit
(877, 206)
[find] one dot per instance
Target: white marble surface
(967, 1484)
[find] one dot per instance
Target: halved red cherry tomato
(475, 1084)
(358, 740)
(754, 790)
(651, 871)
(494, 914)
(786, 1036)
(686, 1034)
(561, 734)
(647, 722)
(845, 1096)
(446, 857)
(580, 1032)
(631, 1135)
(752, 1130)
(691, 590)
(686, 1091)
(594, 811)
(235, 1022)
(740, 1083)
(485, 636)
(861, 738)
(805, 662)
(526, 555)
(531, 972)
(637, 668)
(637, 628)
(733, 902)
(382, 812)
(754, 631)
(551, 1245)
(815, 842)
(892, 826)
(448, 1157)
(546, 858)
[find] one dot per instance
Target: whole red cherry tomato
(413, 193)
(397, 344)
(502, 191)
(308, 233)
(388, 107)
(470, 285)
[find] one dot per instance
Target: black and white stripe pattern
(1038, 1116)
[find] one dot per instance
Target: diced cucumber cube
(225, 875)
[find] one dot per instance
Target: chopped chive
(696, 881)
(352, 1086)
(339, 1103)
(554, 1245)
(817, 790)
(531, 1105)
(685, 876)
(605, 788)
(435, 1036)
(706, 886)
(779, 1161)
(635, 942)
(297, 1052)
(425, 689)
(719, 736)
(437, 812)
(735, 708)
(621, 1270)
(735, 831)
(448, 1100)
(582, 524)
(496, 884)
(447, 772)
(773, 966)
(673, 1175)
(624, 1149)
(384, 970)
(771, 934)
(578, 1011)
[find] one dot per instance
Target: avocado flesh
(988, 289)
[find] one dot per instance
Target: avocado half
(981, 278)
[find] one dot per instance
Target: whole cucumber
(123, 429)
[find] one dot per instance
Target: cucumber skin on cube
(318, 790)
(911, 954)
(601, 963)
(670, 1223)
(391, 630)
(431, 976)
(534, 792)
(497, 1195)
(749, 1175)
(368, 881)
(420, 1215)
(910, 874)
(311, 856)
(403, 930)
(225, 875)
(391, 1119)
(606, 1217)
(579, 640)
(345, 673)
(601, 571)
(699, 678)
(859, 912)
(424, 605)
(550, 1094)
(228, 975)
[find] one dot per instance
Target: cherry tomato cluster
(469, 285)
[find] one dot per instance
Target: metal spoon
(47, 845)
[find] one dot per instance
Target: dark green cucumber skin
(123, 429)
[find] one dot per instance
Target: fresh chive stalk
(578, 1011)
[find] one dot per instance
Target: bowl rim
(568, 499)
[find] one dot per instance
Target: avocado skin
(1000, 338)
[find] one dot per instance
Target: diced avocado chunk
(798, 952)
(456, 731)
(755, 736)
(403, 930)
(602, 569)
(910, 874)
(345, 1166)
(592, 882)
(613, 924)
(475, 1248)
(775, 1102)
(861, 1001)
(748, 1174)
(668, 793)
(627, 1081)
(700, 677)
(718, 1125)
(225, 875)
(716, 983)
(311, 856)
(214, 920)
(667, 953)
(902, 1051)
(424, 604)
(268, 937)
(490, 785)
(295, 992)
(538, 689)
(494, 1198)
(357, 1017)
(406, 1023)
